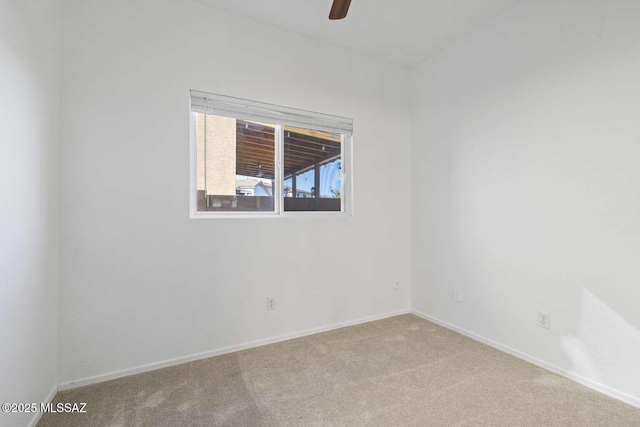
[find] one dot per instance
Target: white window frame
(346, 172)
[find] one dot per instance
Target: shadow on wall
(605, 347)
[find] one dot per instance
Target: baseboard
(231, 349)
(38, 414)
(531, 359)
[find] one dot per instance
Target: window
(250, 158)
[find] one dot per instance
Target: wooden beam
(294, 185)
(316, 176)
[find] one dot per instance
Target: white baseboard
(184, 359)
(38, 415)
(631, 400)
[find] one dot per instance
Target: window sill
(284, 215)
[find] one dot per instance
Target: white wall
(526, 185)
(29, 77)
(141, 282)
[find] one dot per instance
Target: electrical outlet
(544, 320)
(271, 304)
(396, 284)
(457, 295)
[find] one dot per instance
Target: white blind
(220, 105)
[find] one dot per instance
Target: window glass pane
(305, 184)
(331, 179)
(235, 164)
(312, 170)
(288, 187)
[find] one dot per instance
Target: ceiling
(303, 149)
(405, 32)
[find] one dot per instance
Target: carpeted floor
(402, 371)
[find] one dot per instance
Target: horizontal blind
(226, 106)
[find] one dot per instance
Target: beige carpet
(402, 371)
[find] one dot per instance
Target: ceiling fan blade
(339, 9)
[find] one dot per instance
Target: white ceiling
(405, 32)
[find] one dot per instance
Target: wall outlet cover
(544, 320)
